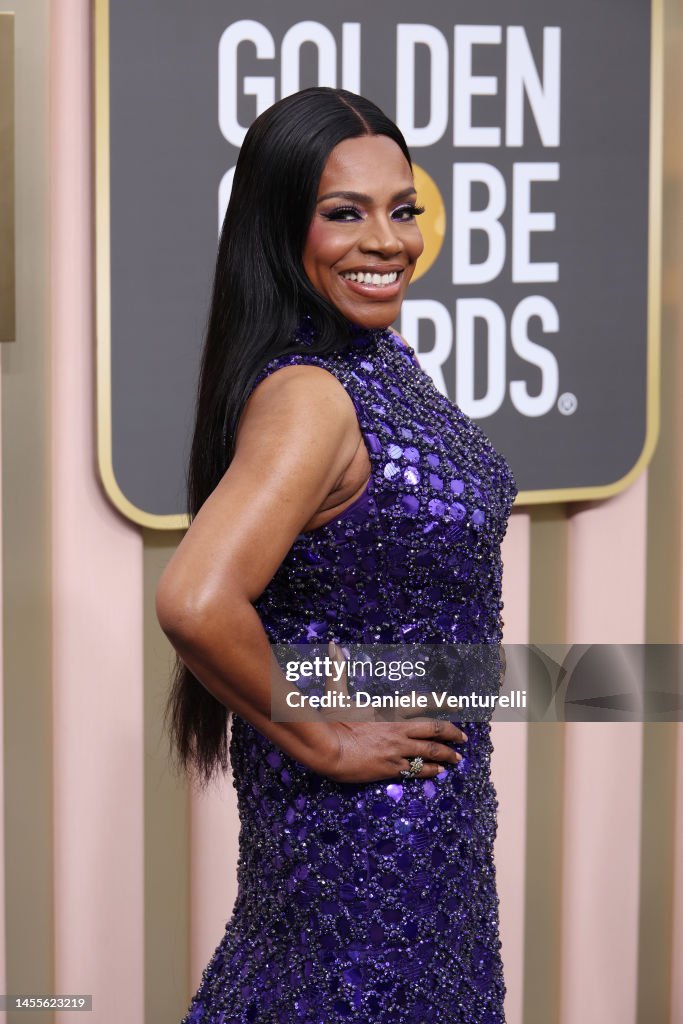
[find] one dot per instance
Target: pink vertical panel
(3, 960)
(606, 604)
(97, 600)
(213, 859)
(508, 771)
(677, 938)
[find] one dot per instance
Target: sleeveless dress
(375, 902)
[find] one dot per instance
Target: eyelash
(336, 214)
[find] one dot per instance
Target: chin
(379, 323)
(374, 318)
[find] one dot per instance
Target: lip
(373, 291)
(381, 268)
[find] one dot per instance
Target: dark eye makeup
(342, 213)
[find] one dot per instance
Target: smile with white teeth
(378, 280)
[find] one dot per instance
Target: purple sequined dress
(376, 903)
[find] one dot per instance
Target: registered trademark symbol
(567, 403)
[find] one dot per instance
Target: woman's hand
(371, 748)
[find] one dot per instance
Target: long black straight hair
(260, 295)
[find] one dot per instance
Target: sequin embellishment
(377, 902)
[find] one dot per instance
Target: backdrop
(532, 149)
(118, 881)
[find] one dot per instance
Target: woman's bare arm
(297, 436)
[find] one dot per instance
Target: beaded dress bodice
(376, 902)
(417, 555)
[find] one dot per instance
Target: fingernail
(465, 735)
(442, 768)
(459, 757)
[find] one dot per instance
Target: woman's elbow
(174, 611)
(185, 612)
(179, 607)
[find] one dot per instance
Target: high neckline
(358, 337)
(365, 337)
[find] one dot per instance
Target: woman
(335, 494)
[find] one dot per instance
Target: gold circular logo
(432, 222)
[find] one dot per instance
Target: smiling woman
(336, 496)
(362, 246)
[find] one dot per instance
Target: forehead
(370, 163)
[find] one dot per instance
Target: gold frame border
(103, 286)
(103, 289)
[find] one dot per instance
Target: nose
(381, 236)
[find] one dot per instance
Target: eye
(342, 213)
(408, 212)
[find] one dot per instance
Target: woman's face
(363, 241)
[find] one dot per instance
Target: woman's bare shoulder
(296, 437)
(304, 395)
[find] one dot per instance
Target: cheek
(314, 251)
(418, 244)
(324, 246)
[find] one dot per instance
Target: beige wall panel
(26, 472)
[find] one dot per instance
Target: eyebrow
(361, 197)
